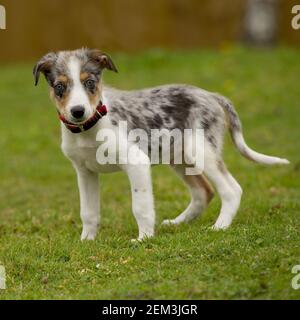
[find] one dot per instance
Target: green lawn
(39, 219)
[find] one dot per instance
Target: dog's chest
(83, 151)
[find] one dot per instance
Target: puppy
(86, 108)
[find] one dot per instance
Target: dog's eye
(59, 89)
(90, 84)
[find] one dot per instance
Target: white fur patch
(78, 95)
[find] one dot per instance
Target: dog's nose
(77, 112)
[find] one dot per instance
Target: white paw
(169, 222)
(143, 237)
(138, 240)
(88, 234)
(220, 225)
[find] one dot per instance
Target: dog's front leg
(88, 184)
(142, 198)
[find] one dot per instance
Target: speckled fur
(170, 107)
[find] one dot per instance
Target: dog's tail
(235, 128)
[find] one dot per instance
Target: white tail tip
(253, 155)
(283, 161)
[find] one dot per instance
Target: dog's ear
(102, 59)
(44, 65)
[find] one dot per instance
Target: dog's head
(74, 78)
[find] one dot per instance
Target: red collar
(100, 112)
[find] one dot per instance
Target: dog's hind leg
(228, 189)
(201, 193)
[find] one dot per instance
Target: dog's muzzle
(100, 112)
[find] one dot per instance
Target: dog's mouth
(78, 121)
(80, 126)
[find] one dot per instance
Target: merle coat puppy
(87, 107)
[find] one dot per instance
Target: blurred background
(37, 26)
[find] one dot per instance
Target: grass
(39, 219)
